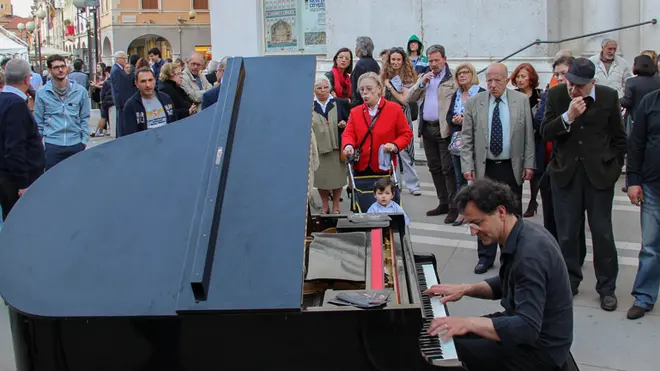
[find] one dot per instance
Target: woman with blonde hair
(397, 76)
(170, 78)
(328, 119)
(468, 86)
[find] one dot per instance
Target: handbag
(356, 155)
(456, 143)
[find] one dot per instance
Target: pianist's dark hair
(382, 184)
(487, 195)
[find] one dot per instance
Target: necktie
(496, 130)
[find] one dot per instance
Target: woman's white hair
(321, 79)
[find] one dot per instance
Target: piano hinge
(218, 156)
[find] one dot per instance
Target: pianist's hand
(449, 291)
(448, 327)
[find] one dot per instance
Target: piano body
(199, 252)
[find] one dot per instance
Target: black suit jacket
(210, 97)
(597, 139)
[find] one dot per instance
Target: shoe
(452, 215)
(608, 302)
(574, 291)
(458, 222)
(416, 192)
(531, 209)
(440, 210)
(636, 312)
(482, 267)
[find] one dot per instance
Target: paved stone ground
(603, 340)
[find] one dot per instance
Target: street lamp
(191, 16)
(31, 26)
(21, 28)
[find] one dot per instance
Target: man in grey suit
(498, 143)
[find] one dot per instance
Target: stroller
(362, 195)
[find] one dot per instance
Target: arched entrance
(142, 44)
(107, 48)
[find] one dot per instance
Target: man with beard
(61, 110)
(535, 330)
(611, 70)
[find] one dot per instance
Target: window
(201, 4)
(294, 26)
(149, 4)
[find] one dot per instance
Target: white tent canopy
(11, 45)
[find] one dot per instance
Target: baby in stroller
(384, 193)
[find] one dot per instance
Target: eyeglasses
(397, 49)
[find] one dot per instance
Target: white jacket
(616, 77)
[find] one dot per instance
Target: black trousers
(551, 225)
(570, 203)
(8, 196)
(502, 172)
(438, 159)
(480, 354)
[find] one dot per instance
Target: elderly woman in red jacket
(389, 127)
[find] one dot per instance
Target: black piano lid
(125, 228)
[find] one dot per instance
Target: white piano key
(448, 348)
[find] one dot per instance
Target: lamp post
(191, 15)
(21, 28)
(40, 14)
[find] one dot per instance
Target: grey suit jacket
(474, 150)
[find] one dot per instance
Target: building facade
(135, 26)
(475, 31)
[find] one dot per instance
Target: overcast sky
(21, 7)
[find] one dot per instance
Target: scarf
(62, 92)
(342, 86)
(459, 108)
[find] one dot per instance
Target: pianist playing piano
(535, 330)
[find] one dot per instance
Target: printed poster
(280, 28)
(313, 21)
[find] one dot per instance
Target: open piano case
(201, 255)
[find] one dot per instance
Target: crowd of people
(45, 118)
(568, 140)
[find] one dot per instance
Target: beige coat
(475, 134)
(446, 90)
(189, 85)
(616, 77)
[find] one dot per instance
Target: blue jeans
(647, 282)
(460, 179)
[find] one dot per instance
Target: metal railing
(539, 42)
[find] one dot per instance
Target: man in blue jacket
(22, 159)
(123, 88)
(61, 110)
(148, 108)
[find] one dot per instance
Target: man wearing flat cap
(584, 121)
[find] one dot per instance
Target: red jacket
(391, 127)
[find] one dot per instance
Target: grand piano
(198, 251)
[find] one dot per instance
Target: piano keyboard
(436, 351)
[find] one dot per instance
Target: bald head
(496, 78)
(196, 63)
